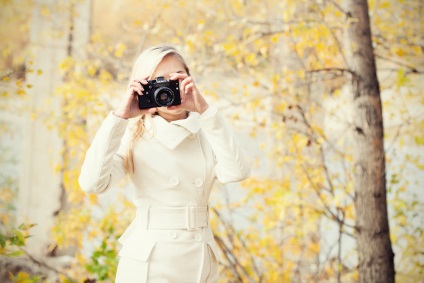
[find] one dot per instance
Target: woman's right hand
(128, 107)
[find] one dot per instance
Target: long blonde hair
(145, 66)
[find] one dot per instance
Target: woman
(173, 156)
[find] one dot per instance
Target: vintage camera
(159, 93)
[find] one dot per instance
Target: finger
(136, 86)
(175, 76)
(182, 95)
(173, 107)
(136, 89)
(186, 81)
(139, 86)
(133, 84)
(152, 110)
(144, 80)
(188, 87)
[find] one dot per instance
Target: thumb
(152, 110)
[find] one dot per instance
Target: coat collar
(171, 134)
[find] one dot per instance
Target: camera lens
(164, 96)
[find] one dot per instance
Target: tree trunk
(39, 188)
(376, 258)
(40, 195)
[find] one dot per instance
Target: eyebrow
(179, 72)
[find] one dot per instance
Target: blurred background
(279, 72)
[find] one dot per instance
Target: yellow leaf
(67, 63)
(45, 11)
(384, 5)
(251, 59)
(93, 199)
(301, 74)
(400, 52)
(417, 50)
(6, 52)
(105, 76)
(57, 168)
(120, 49)
(286, 15)
(91, 70)
(279, 135)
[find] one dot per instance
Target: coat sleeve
(231, 164)
(103, 166)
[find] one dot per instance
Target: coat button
(198, 237)
(173, 234)
(198, 183)
(175, 181)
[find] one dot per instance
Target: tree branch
(226, 249)
(402, 64)
(45, 265)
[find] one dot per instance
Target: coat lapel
(172, 134)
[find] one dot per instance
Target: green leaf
(15, 253)
(419, 140)
(17, 239)
(3, 240)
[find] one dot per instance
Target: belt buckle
(190, 210)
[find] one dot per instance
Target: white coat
(176, 165)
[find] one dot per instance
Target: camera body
(159, 93)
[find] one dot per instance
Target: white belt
(165, 218)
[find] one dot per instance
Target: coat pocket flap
(127, 233)
(137, 248)
(214, 248)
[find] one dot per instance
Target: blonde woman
(173, 155)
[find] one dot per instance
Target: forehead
(169, 64)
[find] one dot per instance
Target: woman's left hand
(191, 99)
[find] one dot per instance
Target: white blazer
(176, 165)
